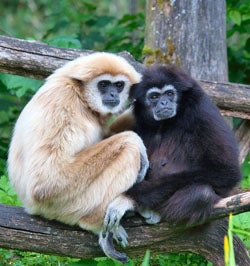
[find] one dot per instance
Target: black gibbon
(192, 152)
(59, 162)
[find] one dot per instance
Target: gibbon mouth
(164, 113)
(164, 110)
(111, 103)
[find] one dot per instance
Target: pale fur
(58, 161)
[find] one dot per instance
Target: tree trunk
(191, 34)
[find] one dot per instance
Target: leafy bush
(238, 38)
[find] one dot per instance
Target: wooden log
(21, 231)
(243, 137)
(38, 60)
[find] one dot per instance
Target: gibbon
(60, 162)
(193, 153)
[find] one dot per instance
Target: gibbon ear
(134, 91)
(180, 78)
(187, 83)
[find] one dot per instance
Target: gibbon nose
(112, 93)
(164, 102)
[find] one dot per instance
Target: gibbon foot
(106, 243)
(120, 236)
(151, 217)
(112, 220)
(115, 212)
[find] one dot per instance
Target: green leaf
(242, 221)
(86, 262)
(146, 259)
(65, 41)
(248, 45)
(235, 16)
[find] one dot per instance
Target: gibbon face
(107, 94)
(162, 102)
(103, 79)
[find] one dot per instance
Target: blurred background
(104, 25)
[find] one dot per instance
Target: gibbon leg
(122, 161)
(110, 167)
(78, 191)
(82, 187)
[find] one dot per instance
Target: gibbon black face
(110, 92)
(162, 102)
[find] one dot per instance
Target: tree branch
(243, 136)
(21, 231)
(38, 60)
(235, 204)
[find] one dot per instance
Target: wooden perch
(21, 231)
(243, 137)
(38, 60)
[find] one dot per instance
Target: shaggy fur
(59, 162)
(193, 155)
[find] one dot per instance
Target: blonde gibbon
(60, 162)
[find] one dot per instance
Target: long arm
(151, 193)
(125, 121)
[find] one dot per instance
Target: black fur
(193, 156)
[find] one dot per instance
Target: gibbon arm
(123, 122)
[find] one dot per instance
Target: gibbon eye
(119, 85)
(170, 93)
(103, 83)
(154, 96)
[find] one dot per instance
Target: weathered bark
(191, 34)
(243, 137)
(38, 60)
(19, 230)
(233, 99)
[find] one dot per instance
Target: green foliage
(229, 248)
(17, 258)
(146, 259)
(238, 38)
(14, 93)
(241, 222)
(7, 193)
(180, 259)
(77, 24)
(242, 227)
(246, 173)
(183, 259)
